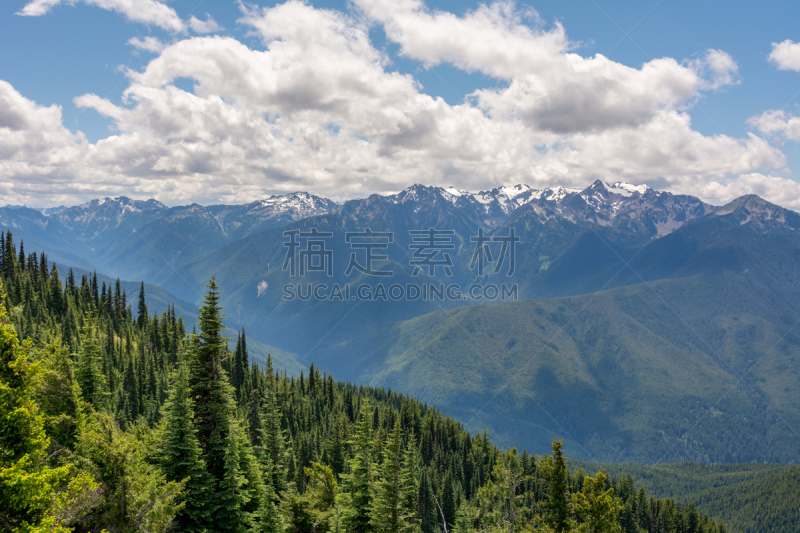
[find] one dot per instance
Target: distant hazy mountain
(49, 211)
(137, 239)
(568, 241)
(620, 204)
(241, 220)
(146, 239)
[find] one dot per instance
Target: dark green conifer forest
(121, 421)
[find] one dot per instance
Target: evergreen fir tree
(180, 456)
(387, 503)
(95, 293)
(88, 373)
(21, 260)
(230, 493)
(236, 370)
(558, 504)
(141, 317)
(130, 385)
(448, 499)
(56, 302)
(273, 446)
(427, 509)
(210, 390)
(358, 480)
(70, 281)
(215, 411)
(409, 486)
(268, 518)
(9, 257)
(598, 508)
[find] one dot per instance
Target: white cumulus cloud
(37, 8)
(37, 152)
(777, 122)
(204, 26)
(149, 44)
(786, 55)
(493, 39)
(719, 67)
(550, 87)
(150, 12)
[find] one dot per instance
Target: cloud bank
(318, 107)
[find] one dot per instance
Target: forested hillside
(703, 369)
(112, 423)
(748, 497)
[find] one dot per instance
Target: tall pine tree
(215, 415)
(180, 456)
(141, 318)
(358, 480)
(89, 373)
(387, 504)
(558, 504)
(272, 444)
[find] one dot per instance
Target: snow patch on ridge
(626, 189)
(555, 194)
(516, 190)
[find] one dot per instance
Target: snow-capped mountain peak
(601, 195)
(121, 203)
(452, 195)
(626, 189)
(554, 194)
(423, 193)
(454, 192)
(295, 205)
(516, 190)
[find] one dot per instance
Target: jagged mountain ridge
(141, 239)
(600, 203)
(101, 214)
(241, 220)
(144, 239)
(621, 204)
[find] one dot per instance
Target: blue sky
(75, 49)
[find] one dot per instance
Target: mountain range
(644, 325)
(137, 239)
